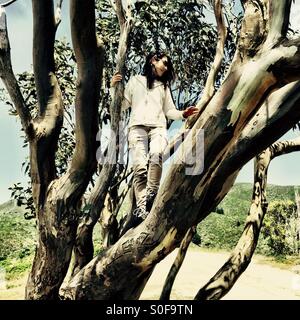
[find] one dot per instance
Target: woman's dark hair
(166, 78)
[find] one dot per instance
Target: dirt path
(259, 282)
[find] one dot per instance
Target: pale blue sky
(283, 171)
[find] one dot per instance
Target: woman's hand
(116, 78)
(190, 111)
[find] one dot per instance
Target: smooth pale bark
(240, 258)
(83, 250)
(9, 79)
(57, 211)
(278, 112)
(223, 120)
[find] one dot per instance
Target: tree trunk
(224, 119)
(57, 200)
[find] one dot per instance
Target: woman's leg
(138, 148)
(158, 143)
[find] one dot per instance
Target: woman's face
(160, 65)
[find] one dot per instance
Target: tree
(280, 228)
(255, 104)
(43, 131)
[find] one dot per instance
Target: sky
(283, 170)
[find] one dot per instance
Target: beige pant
(146, 147)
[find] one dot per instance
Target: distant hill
(17, 235)
(223, 230)
(10, 207)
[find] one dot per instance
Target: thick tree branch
(279, 13)
(240, 258)
(44, 282)
(277, 114)
(48, 124)
(43, 50)
(9, 80)
(84, 246)
(89, 61)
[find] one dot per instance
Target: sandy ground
(260, 281)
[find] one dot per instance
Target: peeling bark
(276, 114)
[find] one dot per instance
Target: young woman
(151, 102)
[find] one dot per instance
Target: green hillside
(17, 236)
(17, 239)
(223, 230)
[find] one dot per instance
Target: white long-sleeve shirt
(149, 107)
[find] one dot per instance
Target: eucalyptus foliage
(281, 228)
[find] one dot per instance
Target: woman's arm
(126, 103)
(169, 108)
(172, 113)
